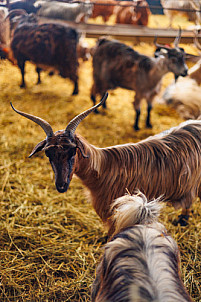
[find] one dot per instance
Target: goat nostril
(61, 187)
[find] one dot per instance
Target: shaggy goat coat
(184, 95)
(167, 164)
(141, 262)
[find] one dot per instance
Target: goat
(118, 65)
(65, 11)
(136, 13)
(103, 8)
(48, 46)
(186, 8)
(28, 7)
(167, 164)
(141, 262)
(184, 95)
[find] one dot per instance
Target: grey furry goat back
(141, 262)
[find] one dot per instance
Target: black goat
(48, 46)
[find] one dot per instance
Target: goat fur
(141, 263)
(167, 164)
(184, 95)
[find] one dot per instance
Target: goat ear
(38, 147)
(81, 148)
(160, 52)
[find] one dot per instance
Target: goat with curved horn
(62, 147)
(111, 171)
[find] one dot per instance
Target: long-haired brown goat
(141, 262)
(118, 65)
(166, 164)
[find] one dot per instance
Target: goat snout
(62, 187)
(184, 74)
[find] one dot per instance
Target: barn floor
(50, 242)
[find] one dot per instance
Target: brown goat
(136, 13)
(103, 8)
(118, 65)
(168, 164)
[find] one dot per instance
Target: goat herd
(127, 183)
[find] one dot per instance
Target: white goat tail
(130, 210)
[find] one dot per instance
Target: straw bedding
(50, 242)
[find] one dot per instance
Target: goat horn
(159, 45)
(196, 42)
(15, 12)
(76, 120)
(45, 125)
(177, 39)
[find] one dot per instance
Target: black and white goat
(118, 65)
(168, 164)
(141, 262)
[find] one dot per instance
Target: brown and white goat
(141, 262)
(168, 164)
(184, 95)
(49, 46)
(118, 65)
(133, 12)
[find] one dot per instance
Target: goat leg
(183, 218)
(38, 70)
(75, 91)
(21, 65)
(93, 98)
(136, 127)
(148, 123)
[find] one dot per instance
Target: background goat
(118, 65)
(49, 46)
(65, 11)
(141, 262)
(103, 8)
(168, 164)
(184, 95)
(136, 13)
(186, 8)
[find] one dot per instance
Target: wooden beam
(125, 32)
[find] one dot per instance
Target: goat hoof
(149, 126)
(183, 220)
(22, 86)
(96, 111)
(75, 92)
(136, 128)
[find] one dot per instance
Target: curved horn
(15, 12)
(196, 42)
(177, 39)
(159, 45)
(45, 125)
(75, 122)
